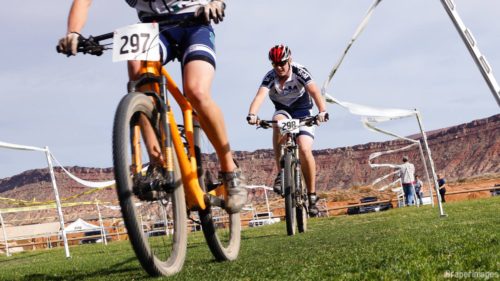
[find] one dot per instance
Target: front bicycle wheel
(289, 188)
(301, 200)
(222, 230)
(156, 225)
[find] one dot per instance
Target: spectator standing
(418, 189)
(442, 187)
(407, 175)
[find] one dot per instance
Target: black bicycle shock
(169, 155)
(297, 168)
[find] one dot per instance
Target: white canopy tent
(81, 226)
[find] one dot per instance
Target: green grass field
(400, 244)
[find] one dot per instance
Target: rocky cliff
(461, 152)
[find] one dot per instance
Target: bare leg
(307, 162)
(277, 140)
(198, 76)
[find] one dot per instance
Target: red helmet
(279, 53)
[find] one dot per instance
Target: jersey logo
(304, 74)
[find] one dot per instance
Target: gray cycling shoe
(313, 209)
(277, 184)
(235, 184)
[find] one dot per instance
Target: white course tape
(258, 186)
(84, 182)
(398, 181)
(370, 127)
(21, 147)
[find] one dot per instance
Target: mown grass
(401, 244)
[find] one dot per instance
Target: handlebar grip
(264, 124)
(61, 51)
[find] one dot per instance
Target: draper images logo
(471, 274)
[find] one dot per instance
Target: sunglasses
(281, 63)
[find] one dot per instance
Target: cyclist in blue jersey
(292, 90)
(193, 45)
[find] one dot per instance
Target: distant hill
(463, 151)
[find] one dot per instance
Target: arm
(315, 93)
(255, 105)
(76, 20)
(78, 15)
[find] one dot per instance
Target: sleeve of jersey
(304, 75)
(268, 80)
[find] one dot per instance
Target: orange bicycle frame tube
(187, 161)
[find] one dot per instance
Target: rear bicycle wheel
(289, 189)
(222, 230)
(156, 226)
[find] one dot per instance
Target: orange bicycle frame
(187, 160)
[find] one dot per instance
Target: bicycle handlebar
(306, 121)
(92, 46)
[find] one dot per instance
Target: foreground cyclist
(290, 87)
(193, 45)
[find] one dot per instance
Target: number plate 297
(137, 42)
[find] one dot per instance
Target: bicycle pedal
(213, 185)
(211, 200)
(153, 195)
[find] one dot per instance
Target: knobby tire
(223, 237)
(153, 260)
(289, 189)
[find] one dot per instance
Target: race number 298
(289, 126)
(136, 42)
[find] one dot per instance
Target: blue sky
(409, 56)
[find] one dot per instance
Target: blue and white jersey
(293, 96)
(160, 7)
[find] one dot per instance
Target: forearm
(78, 15)
(316, 96)
(257, 101)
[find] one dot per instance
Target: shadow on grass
(20, 257)
(260, 236)
(73, 276)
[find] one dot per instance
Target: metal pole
(471, 44)
(424, 136)
(5, 236)
(426, 172)
(267, 204)
(103, 231)
(58, 202)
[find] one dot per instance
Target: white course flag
(373, 115)
(358, 31)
